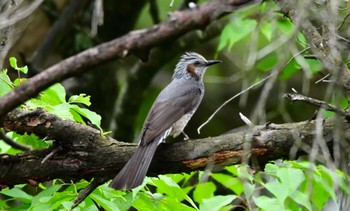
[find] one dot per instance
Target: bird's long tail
(134, 172)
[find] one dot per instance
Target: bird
(168, 116)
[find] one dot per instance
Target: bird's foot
(185, 136)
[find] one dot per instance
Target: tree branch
(84, 153)
(298, 97)
(180, 23)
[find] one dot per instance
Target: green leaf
(319, 195)
(62, 110)
(216, 202)
(30, 139)
(172, 189)
(244, 173)
(13, 62)
(235, 31)
(267, 29)
(286, 26)
(3, 205)
(76, 116)
(315, 65)
(18, 194)
(233, 183)
(248, 189)
(170, 204)
(343, 182)
(302, 40)
(268, 204)
(277, 189)
(105, 203)
(147, 201)
(54, 95)
(48, 192)
(328, 179)
(5, 83)
(92, 116)
(291, 178)
(203, 191)
(232, 169)
(302, 199)
(81, 98)
(23, 69)
(268, 62)
(290, 70)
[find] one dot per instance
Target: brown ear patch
(191, 70)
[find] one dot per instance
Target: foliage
(287, 185)
(270, 28)
(53, 100)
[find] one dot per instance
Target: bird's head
(192, 66)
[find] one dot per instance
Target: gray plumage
(168, 115)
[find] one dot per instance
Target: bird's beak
(211, 62)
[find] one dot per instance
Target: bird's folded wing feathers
(164, 113)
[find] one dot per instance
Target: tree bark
(81, 152)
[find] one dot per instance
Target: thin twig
(342, 23)
(86, 191)
(297, 54)
(315, 102)
(323, 78)
(52, 153)
(232, 98)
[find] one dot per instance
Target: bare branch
(315, 102)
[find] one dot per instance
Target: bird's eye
(196, 62)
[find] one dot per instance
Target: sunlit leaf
(268, 62)
(91, 115)
(81, 98)
(203, 191)
(5, 83)
(13, 62)
(103, 202)
(267, 29)
(268, 204)
(54, 95)
(302, 199)
(17, 193)
(172, 189)
(233, 183)
(286, 26)
(235, 31)
(216, 202)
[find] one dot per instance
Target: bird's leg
(185, 136)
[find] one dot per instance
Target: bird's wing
(164, 113)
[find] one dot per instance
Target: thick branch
(180, 23)
(84, 153)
